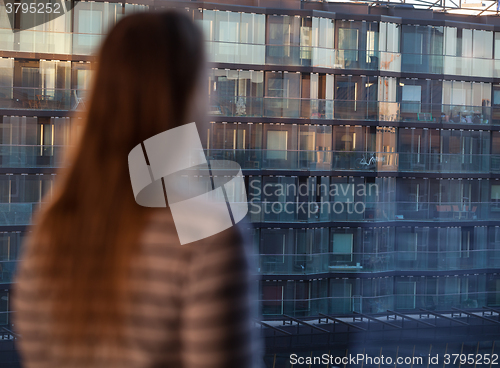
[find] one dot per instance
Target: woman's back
(189, 306)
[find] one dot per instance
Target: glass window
(357, 45)
(341, 294)
(83, 77)
(276, 144)
(234, 37)
(52, 35)
(272, 299)
(6, 79)
(390, 59)
(283, 30)
(134, 8)
(4, 297)
(285, 85)
(389, 37)
(5, 188)
(482, 44)
(252, 28)
(227, 25)
(407, 245)
(54, 74)
(495, 143)
(342, 246)
(6, 34)
(497, 45)
(283, 94)
(92, 21)
(17, 130)
(406, 294)
(348, 39)
(89, 21)
(62, 130)
(422, 48)
(451, 42)
(9, 243)
(278, 139)
(322, 40)
(495, 193)
(348, 44)
(283, 40)
(302, 296)
(323, 32)
(273, 242)
(466, 93)
(207, 24)
(412, 93)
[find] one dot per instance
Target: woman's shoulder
(225, 255)
(161, 229)
(162, 222)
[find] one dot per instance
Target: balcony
(358, 210)
(301, 108)
(51, 42)
(7, 273)
(40, 98)
(276, 107)
(252, 159)
(14, 156)
(17, 214)
(336, 305)
(49, 156)
(353, 59)
(305, 264)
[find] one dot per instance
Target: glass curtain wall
(390, 56)
(422, 49)
(466, 102)
(357, 45)
(92, 20)
(234, 37)
(322, 37)
(236, 93)
(356, 96)
(282, 92)
(283, 40)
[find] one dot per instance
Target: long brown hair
(148, 69)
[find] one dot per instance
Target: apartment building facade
(369, 137)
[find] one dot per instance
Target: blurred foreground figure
(105, 282)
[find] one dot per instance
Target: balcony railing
(375, 304)
(358, 210)
(33, 156)
(13, 156)
(17, 214)
(335, 262)
(262, 159)
(40, 98)
(52, 42)
(260, 54)
(14, 214)
(356, 59)
(301, 108)
(7, 272)
(277, 107)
